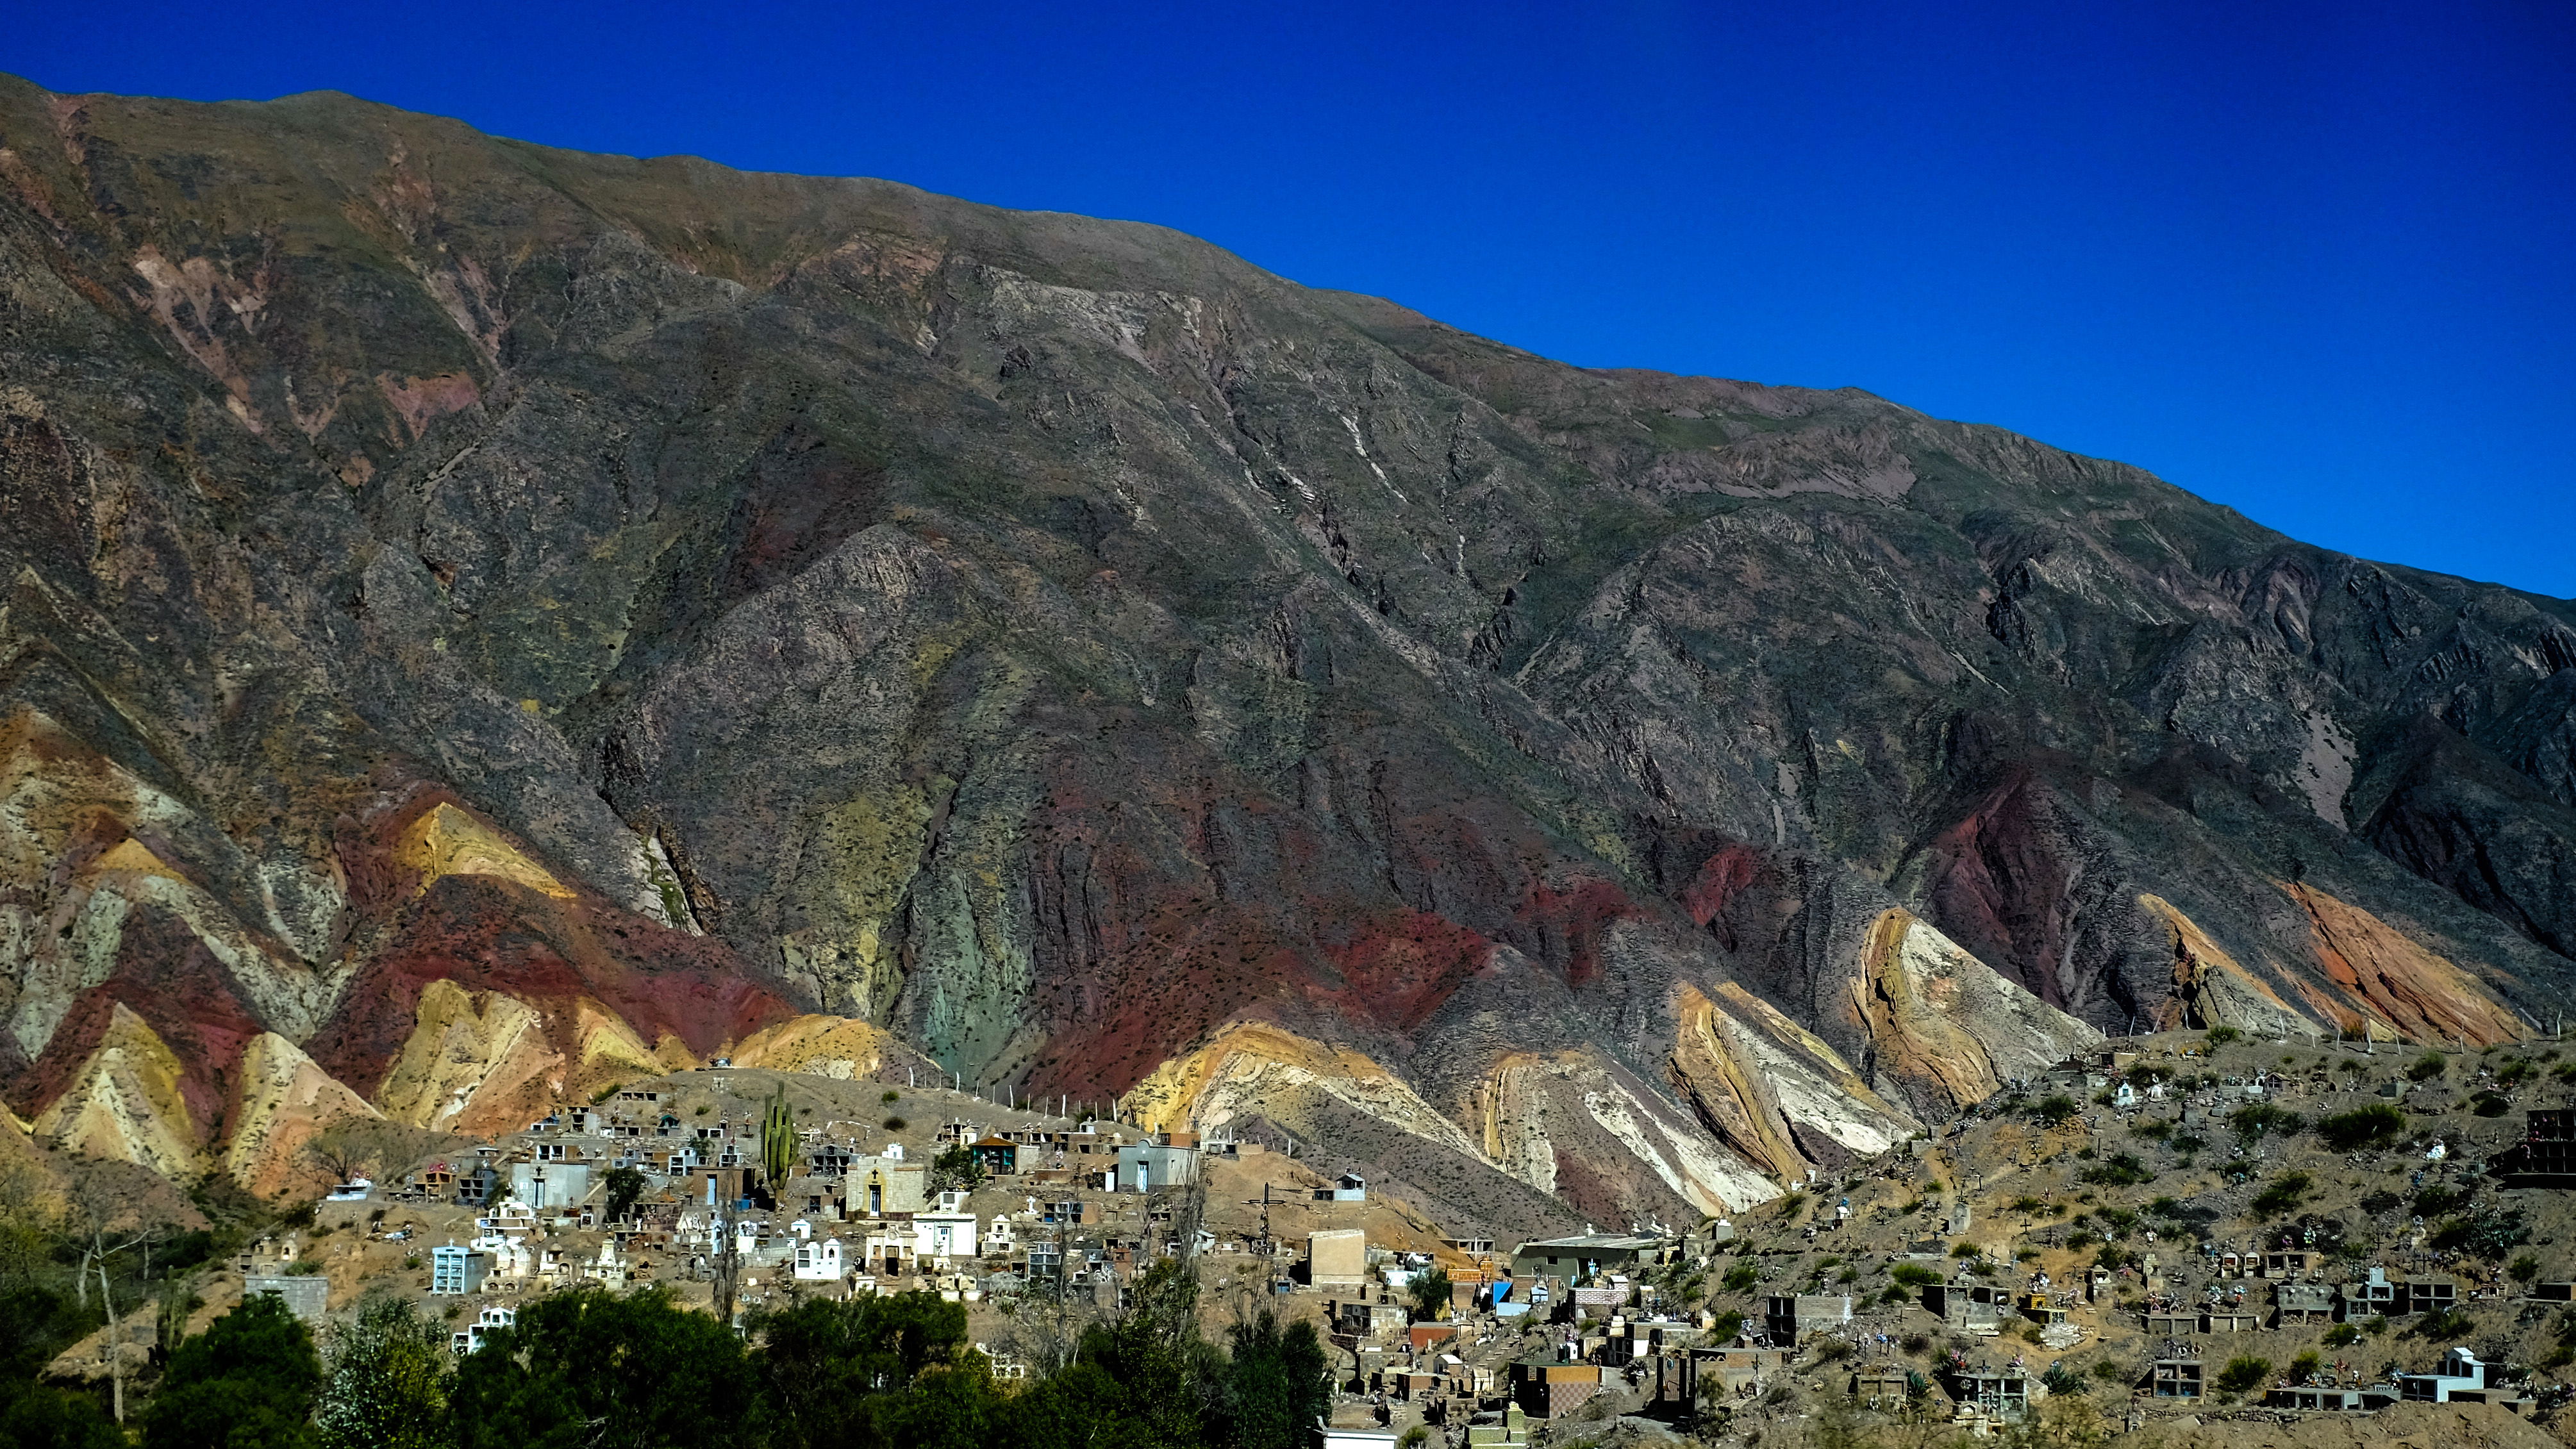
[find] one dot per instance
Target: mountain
(483, 620)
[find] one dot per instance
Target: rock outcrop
(478, 622)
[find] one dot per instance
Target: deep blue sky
(2315, 261)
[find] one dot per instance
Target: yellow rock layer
(1828, 1062)
(1536, 1114)
(132, 855)
(609, 1047)
(125, 1105)
(2384, 971)
(27, 1180)
(285, 1099)
(2210, 983)
(841, 1047)
(1936, 1014)
(1509, 1114)
(1246, 1063)
(1907, 1013)
(446, 841)
(468, 1065)
(1708, 1065)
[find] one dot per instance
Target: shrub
(896, 1124)
(2122, 1169)
(2526, 1268)
(2342, 1335)
(2305, 1365)
(1913, 1275)
(1848, 1275)
(2482, 1235)
(2380, 1200)
(2426, 1067)
(2490, 1104)
(2452, 1324)
(2373, 1126)
(2062, 1380)
(2436, 1200)
(2187, 1143)
(1741, 1278)
(1964, 1249)
(2055, 1110)
(2154, 1129)
(1915, 1343)
(2243, 1373)
(2222, 1035)
(2109, 1371)
(891, 1097)
(2257, 1120)
(2028, 1204)
(1726, 1326)
(2284, 1194)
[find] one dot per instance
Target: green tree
(385, 1382)
(1430, 1294)
(590, 1370)
(777, 1142)
(247, 1382)
(1144, 1379)
(40, 1417)
(1277, 1383)
(872, 1371)
(955, 1167)
(625, 1189)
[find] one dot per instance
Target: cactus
(777, 1142)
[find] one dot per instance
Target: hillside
(484, 622)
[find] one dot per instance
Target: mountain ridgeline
(480, 621)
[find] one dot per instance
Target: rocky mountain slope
(481, 620)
